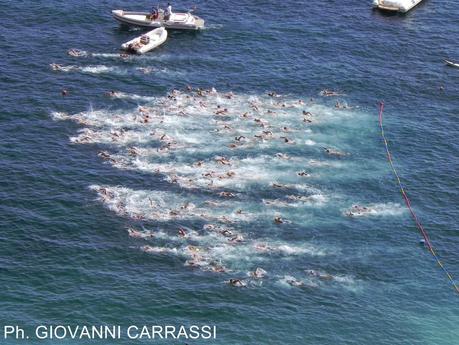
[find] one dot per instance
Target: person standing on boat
(154, 14)
(168, 13)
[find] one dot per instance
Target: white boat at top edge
(146, 42)
(396, 5)
(178, 21)
(452, 64)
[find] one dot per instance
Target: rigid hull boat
(146, 42)
(396, 5)
(452, 64)
(177, 21)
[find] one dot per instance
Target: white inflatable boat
(178, 21)
(146, 42)
(452, 64)
(396, 5)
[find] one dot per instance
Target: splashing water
(246, 167)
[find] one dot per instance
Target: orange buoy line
(421, 229)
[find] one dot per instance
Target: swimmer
(64, 92)
(187, 206)
(237, 283)
(261, 247)
(132, 151)
(145, 70)
(282, 156)
(138, 234)
(357, 210)
(221, 111)
(254, 106)
(258, 273)
(321, 276)
(333, 152)
(193, 249)
(329, 93)
(143, 110)
(104, 155)
(226, 233)
(295, 282)
(150, 249)
(124, 56)
(189, 88)
(209, 227)
(147, 249)
(223, 161)
(303, 173)
(287, 140)
(218, 268)
(278, 220)
(182, 233)
(111, 93)
(138, 217)
(56, 67)
(76, 52)
(227, 194)
(339, 105)
(268, 133)
(237, 239)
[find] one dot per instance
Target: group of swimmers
(199, 257)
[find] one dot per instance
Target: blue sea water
(65, 253)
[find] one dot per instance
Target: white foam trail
(98, 69)
(106, 55)
(59, 116)
(123, 95)
(103, 69)
(381, 209)
(161, 206)
(298, 201)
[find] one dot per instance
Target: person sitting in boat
(144, 39)
(168, 13)
(154, 14)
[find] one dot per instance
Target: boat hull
(156, 37)
(401, 6)
(183, 21)
(451, 64)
